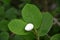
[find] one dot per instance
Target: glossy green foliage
(23, 37)
(31, 14)
(11, 13)
(4, 25)
(47, 21)
(18, 27)
(15, 14)
(17, 37)
(41, 21)
(4, 36)
(30, 36)
(6, 2)
(55, 37)
(2, 13)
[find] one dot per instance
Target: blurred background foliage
(11, 9)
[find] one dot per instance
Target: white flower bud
(29, 27)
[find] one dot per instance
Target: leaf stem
(36, 34)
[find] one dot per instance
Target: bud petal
(29, 27)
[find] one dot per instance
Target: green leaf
(11, 13)
(18, 27)
(4, 36)
(4, 25)
(6, 1)
(29, 36)
(47, 21)
(17, 37)
(55, 37)
(2, 11)
(31, 14)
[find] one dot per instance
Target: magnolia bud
(29, 27)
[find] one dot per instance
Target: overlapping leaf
(32, 14)
(55, 37)
(6, 2)
(4, 25)
(2, 11)
(4, 36)
(18, 27)
(47, 21)
(11, 13)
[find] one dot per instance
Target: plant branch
(48, 36)
(36, 34)
(56, 22)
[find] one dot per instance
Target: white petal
(29, 27)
